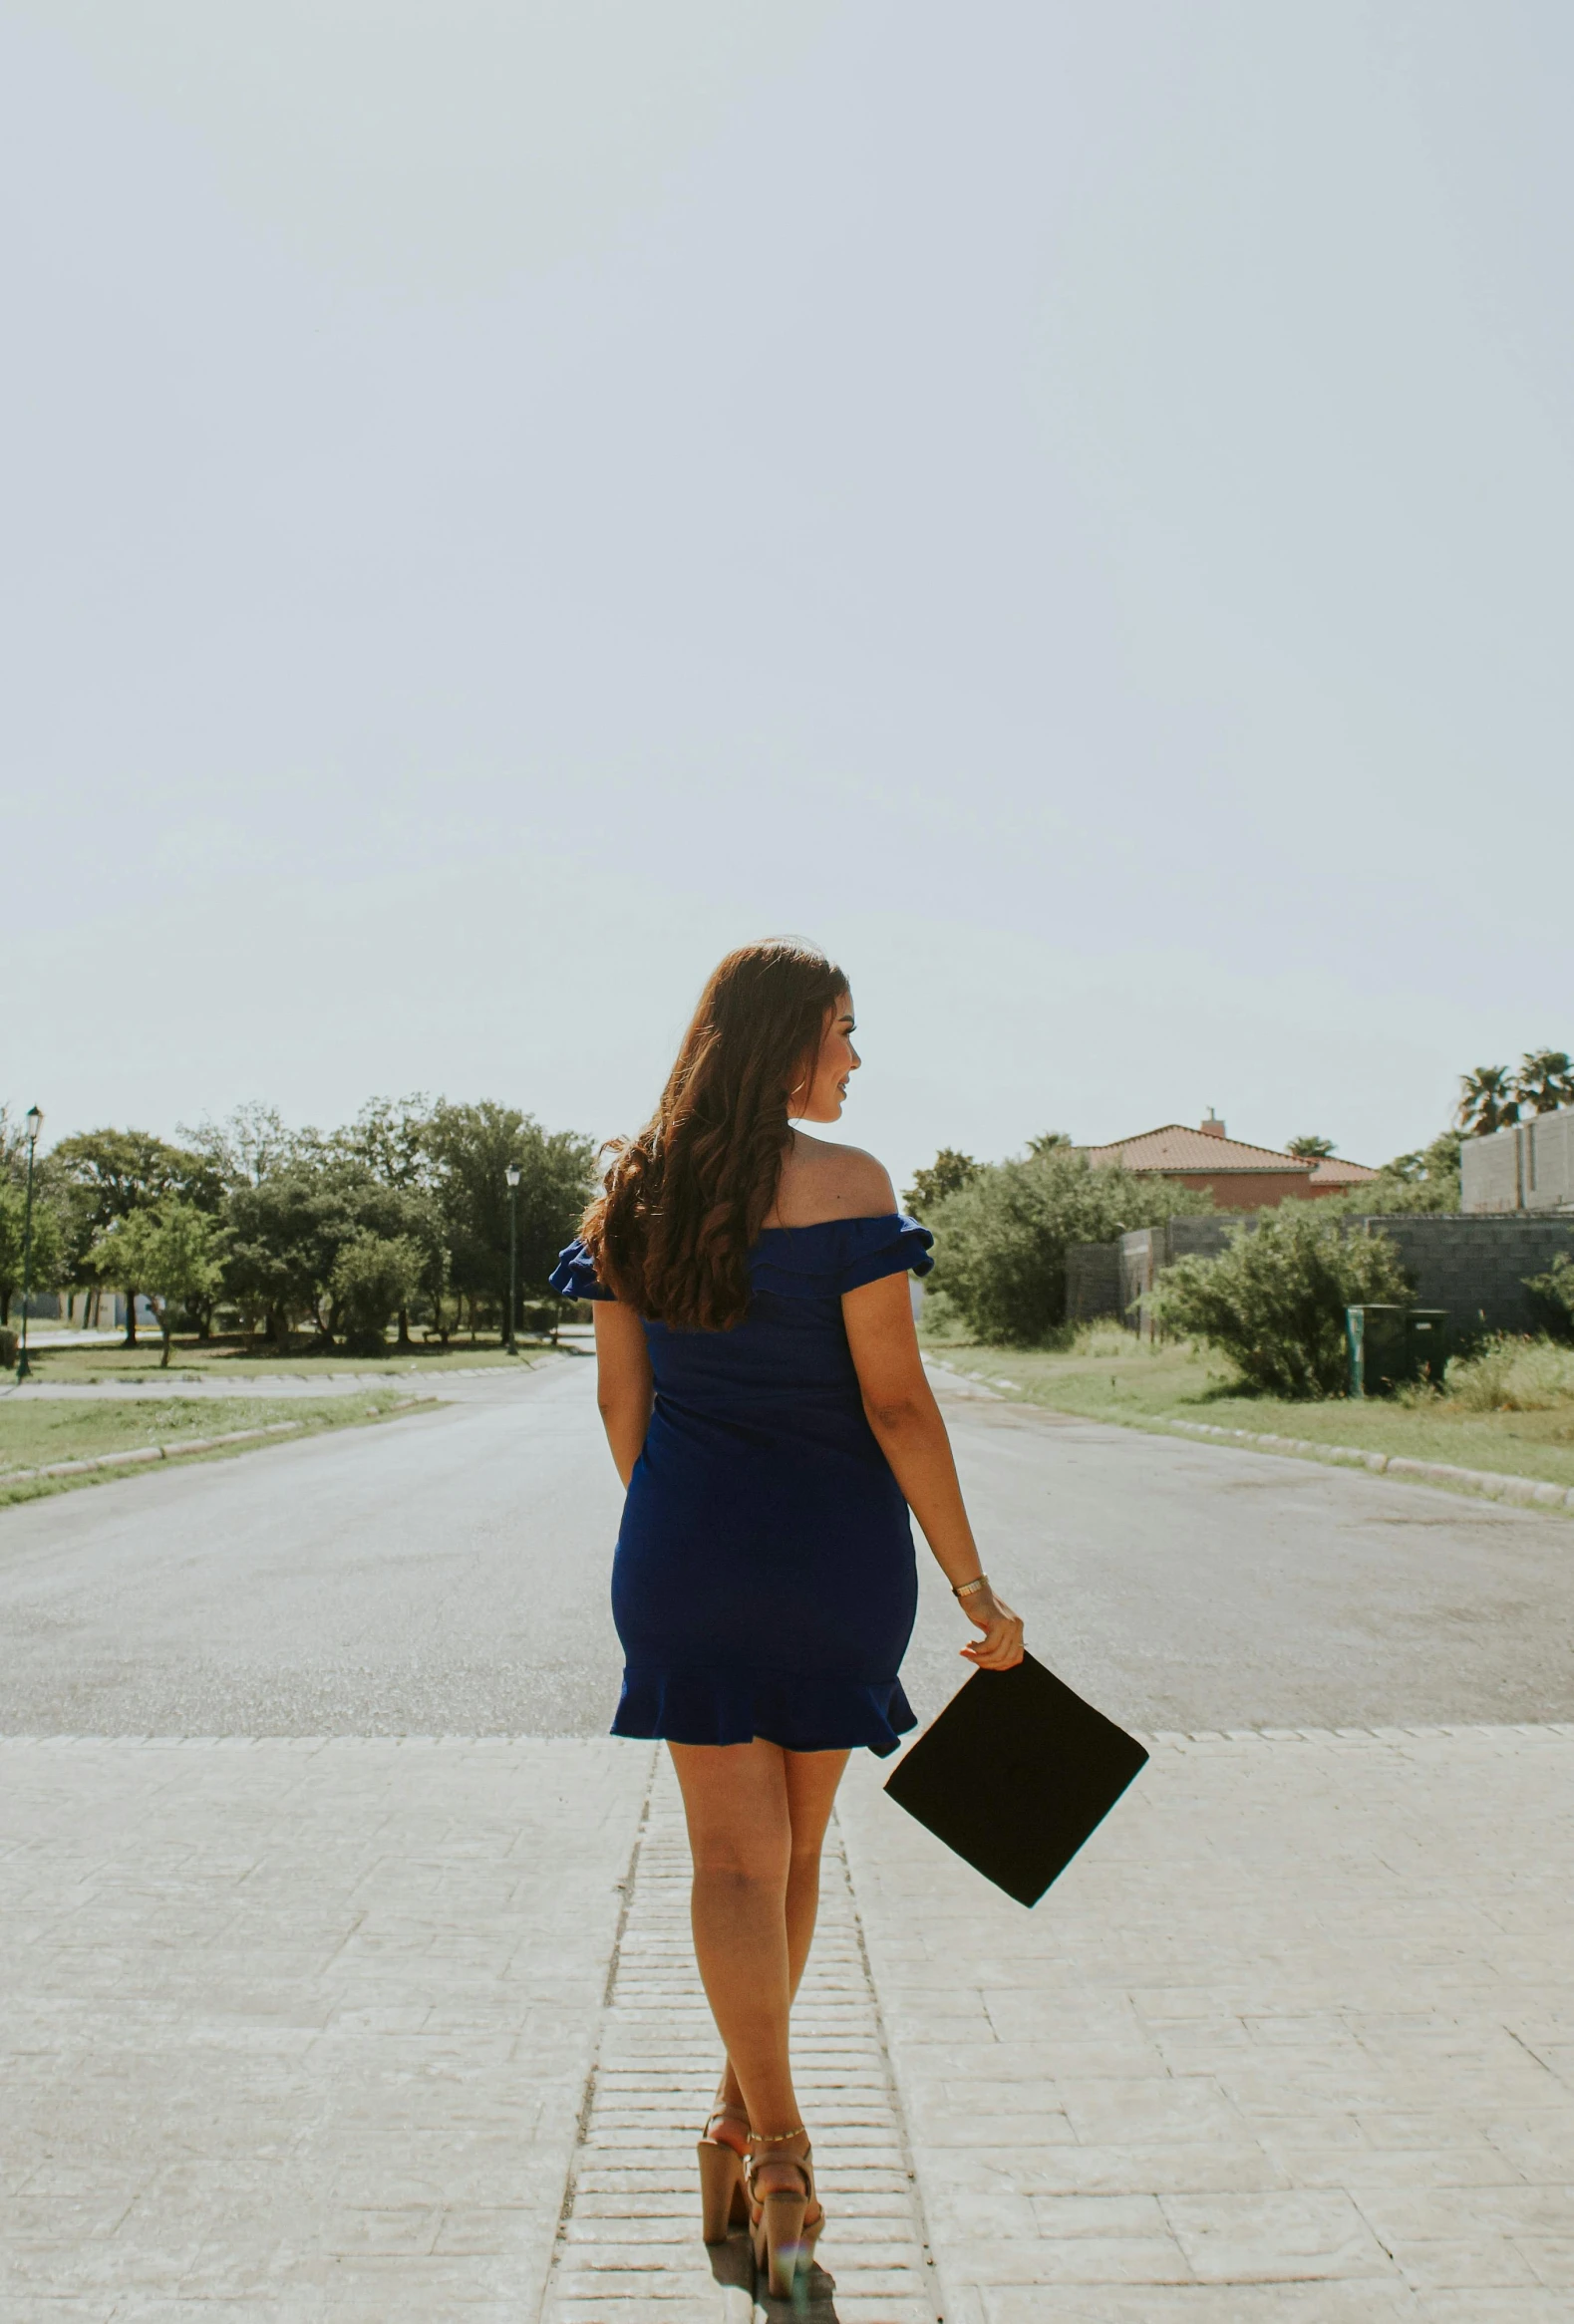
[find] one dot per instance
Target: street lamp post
(512, 1176)
(35, 1122)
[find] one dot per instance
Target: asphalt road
(447, 1574)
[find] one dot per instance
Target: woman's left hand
(1000, 1648)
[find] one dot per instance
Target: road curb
(1487, 1484)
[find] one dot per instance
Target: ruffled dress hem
(800, 1714)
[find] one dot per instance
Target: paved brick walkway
(629, 2244)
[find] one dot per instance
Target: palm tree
(1488, 1100)
(1545, 1081)
(1310, 1149)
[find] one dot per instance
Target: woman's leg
(735, 1800)
(811, 1780)
(757, 1820)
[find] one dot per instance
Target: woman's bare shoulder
(821, 1181)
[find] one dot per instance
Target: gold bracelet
(967, 1588)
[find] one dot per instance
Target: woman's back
(787, 1364)
(821, 1181)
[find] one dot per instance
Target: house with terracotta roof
(1239, 1177)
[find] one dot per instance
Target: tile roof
(1331, 1171)
(1177, 1149)
(1176, 1146)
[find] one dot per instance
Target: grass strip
(1485, 1484)
(1108, 1376)
(53, 1447)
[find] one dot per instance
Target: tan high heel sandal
(785, 2236)
(723, 2202)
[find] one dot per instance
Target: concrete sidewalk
(1292, 2041)
(304, 2028)
(299, 2028)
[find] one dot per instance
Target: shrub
(1554, 1294)
(1274, 1302)
(1511, 1375)
(1001, 1238)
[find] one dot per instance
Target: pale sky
(1068, 505)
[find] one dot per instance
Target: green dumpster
(1391, 1345)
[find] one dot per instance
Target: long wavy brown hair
(683, 1201)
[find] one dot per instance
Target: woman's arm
(901, 1410)
(624, 1388)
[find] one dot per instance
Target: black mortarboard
(1014, 1774)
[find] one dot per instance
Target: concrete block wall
(1529, 1167)
(1092, 1282)
(1475, 1266)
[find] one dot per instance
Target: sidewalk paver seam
(629, 2233)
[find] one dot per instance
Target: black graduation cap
(1014, 1774)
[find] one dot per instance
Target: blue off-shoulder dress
(765, 1581)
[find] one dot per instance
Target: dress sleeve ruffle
(902, 1245)
(574, 1276)
(838, 1255)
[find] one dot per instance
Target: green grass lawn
(1110, 1376)
(35, 1434)
(242, 1359)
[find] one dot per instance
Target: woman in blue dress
(763, 1398)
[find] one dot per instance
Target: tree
(108, 1175)
(47, 1243)
(275, 1264)
(1310, 1149)
(947, 1174)
(289, 1231)
(1047, 1142)
(243, 1148)
(13, 1147)
(1274, 1302)
(372, 1276)
(1002, 1238)
(1426, 1180)
(392, 1137)
(1487, 1101)
(171, 1253)
(1545, 1081)
(471, 1147)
